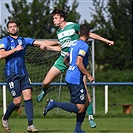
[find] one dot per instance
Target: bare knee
(17, 101)
(27, 94)
(81, 108)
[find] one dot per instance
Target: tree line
(112, 20)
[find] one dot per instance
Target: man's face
(13, 29)
(57, 20)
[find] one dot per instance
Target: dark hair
(11, 21)
(84, 30)
(59, 12)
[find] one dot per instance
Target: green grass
(66, 125)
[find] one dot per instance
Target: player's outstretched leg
(50, 105)
(90, 117)
(42, 95)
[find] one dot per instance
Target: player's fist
(19, 47)
(43, 47)
(110, 43)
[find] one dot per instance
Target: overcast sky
(83, 9)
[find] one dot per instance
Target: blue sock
(79, 120)
(29, 111)
(9, 110)
(70, 107)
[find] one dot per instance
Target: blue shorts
(17, 83)
(77, 93)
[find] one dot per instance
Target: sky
(83, 9)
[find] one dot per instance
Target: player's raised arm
(53, 48)
(97, 37)
(44, 43)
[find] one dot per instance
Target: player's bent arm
(53, 48)
(4, 54)
(79, 63)
(97, 37)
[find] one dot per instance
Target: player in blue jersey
(79, 53)
(13, 48)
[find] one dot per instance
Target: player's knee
(81, 108)
(17, 102)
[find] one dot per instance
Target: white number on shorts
(11, 84)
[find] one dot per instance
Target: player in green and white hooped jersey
(67, 33)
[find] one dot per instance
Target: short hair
(11, 21)
(84, 30)
(59, 12)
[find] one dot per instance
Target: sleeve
(29, 41)
(3, 43)
(77, 28)
(83, 49)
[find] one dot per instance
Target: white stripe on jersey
(66, 33)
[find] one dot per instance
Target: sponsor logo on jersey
(66, 33)
(71, 68)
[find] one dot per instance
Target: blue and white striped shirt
(15, 63)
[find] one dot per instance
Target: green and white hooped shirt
(67, 35)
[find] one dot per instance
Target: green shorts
(60, 64)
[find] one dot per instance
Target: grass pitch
(66, 125)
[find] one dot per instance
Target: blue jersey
(15, 63)
(74, 75)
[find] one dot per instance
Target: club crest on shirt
(82, 97)
(12, 47)
(19, 41)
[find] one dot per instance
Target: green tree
(72, 14)
(35, 19)
(36, 22)
(113, 21)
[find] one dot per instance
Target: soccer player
(67, 33)
(79, 53)
(13, 48)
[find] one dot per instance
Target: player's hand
(43, 47)
(110, 43)
(66, 59)
(90, 78)
(19, 47)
